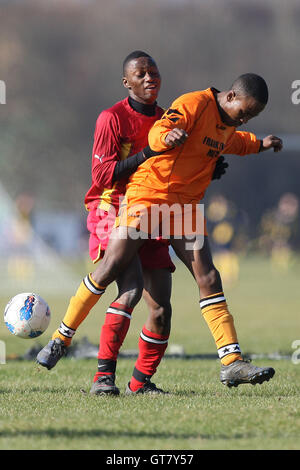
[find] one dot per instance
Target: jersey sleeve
(106, 149)
(182, 115)
(242, 143)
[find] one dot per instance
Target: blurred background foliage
(61, 63)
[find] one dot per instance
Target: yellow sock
(87, 295)
(220, 322)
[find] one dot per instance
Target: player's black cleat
(105, 385)
(149, 388)
(242, 372)
(51, 353)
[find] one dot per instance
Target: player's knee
(130, 288)
(107, 271)
(132, 296)
(209, 280)
(161, 315)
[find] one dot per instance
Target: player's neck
(146, 109)
(219, 98)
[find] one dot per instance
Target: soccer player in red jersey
(120, 146)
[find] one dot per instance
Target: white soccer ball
(27, 315)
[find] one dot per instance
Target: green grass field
(42, 409)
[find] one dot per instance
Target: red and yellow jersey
(183, 173)
(119, 133)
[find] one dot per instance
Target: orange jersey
(182, 174)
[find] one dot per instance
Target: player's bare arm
(176, 137)
(271, 141)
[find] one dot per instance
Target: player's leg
(157, 295)
(195, 253)
(216, 314)
(212, 300)
(155, 333)
(120, 251)
(115, 327)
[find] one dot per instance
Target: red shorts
(154, 254)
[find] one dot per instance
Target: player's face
(238, 110)
(142, 80)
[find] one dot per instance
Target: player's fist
(176, 137)
(271, 141)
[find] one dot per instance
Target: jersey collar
(146, 109)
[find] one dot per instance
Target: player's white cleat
(242, 372)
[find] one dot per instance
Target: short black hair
(250, 84)
(134, 55)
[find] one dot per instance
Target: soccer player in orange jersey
(188, 140)
(120, 146)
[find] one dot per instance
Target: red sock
(113, 332)
(151, 350)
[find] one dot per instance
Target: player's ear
(231, 96)
(126, 83)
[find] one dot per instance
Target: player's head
(141, 77)
(246, 98)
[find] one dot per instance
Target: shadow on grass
(29, 390)
(249, 391)
(52, 391)
(98, 433)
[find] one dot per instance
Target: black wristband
(148, 152)
(125, 168)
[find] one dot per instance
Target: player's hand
(271, 141)
(176, 137)
(220, 168)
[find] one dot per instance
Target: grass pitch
(42, 409)
(53, 410)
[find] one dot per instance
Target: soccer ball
(27, 315)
